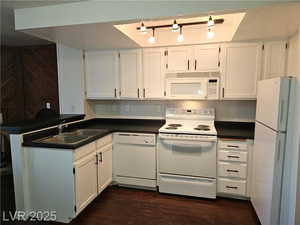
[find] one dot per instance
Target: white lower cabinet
(67, 180)
(85, 181)
(234, 167)
(104, 167)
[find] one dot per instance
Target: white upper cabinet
(179, 59)
(240, 70)
(206, 58)
(130, 74)
(153, 71)
(275, 55)
(101, 74)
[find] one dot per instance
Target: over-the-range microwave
(193, 88)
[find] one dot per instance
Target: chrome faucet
(62, 126)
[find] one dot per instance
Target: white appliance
(187, 153)
(135, 159)
(192, 88)
(269, 147)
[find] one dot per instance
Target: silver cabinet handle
(97, 158)
(233, 171)
(138, 92)
(100, 157)
(231, 187)
(233, 146)
(195, 64)
(233, 156)
(223, 92)
(115, 92)
(188, 64)
(144, 93)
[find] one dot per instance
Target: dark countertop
(239, 130)
(36, 124)
(106, 127)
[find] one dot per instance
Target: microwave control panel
(213, 88)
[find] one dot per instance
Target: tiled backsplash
(225, 110)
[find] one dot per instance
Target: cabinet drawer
(233, 144)
(232, 170)
(104, 141)
(237, 187)
(232, 156)
(84, 150)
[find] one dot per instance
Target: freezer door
(267, 172)
(272, 102)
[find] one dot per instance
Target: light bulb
(175, 26)
(143, 29)
(151, 40)
(210, 22)
(210, 33)
(180, 38)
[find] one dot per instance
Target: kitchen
(192, 106)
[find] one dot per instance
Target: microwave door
(187, 89)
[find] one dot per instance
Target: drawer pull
(233, 156)
(231, 187)
(232, 146)
(234, 171)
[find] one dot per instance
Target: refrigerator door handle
(279, 150)
(281, 110)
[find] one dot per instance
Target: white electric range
(187, 158)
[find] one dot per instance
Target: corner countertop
(239, 130)
(36, 124)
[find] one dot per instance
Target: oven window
(186, 89)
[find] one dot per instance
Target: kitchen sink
(63, 139)
(72, 137)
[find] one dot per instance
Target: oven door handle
(188, 143)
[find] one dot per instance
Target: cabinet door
(240, 70)
(274, 59)
(179, 59)
(85, 181)
(104, 167)
(206, 58)
(130, 73)
(101, 74)
(153, 71)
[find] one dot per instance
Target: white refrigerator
(269, 147)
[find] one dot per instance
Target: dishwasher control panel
(135, 138)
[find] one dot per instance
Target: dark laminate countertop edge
(32, 125)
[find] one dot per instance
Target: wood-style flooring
(124, 206)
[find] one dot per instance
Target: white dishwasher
(135, 159)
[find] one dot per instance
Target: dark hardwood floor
(123, 206)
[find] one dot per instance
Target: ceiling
(9, 36)
(261, 23)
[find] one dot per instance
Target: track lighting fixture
(143, 29)
(175, 26)
(151, 39)
(180, 37)
(210, 22)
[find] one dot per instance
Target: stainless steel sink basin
(63, 139)
(70, 137)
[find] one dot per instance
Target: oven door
(186, 88)
(187, 157)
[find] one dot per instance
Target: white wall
(70, 80)
(225, 110)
